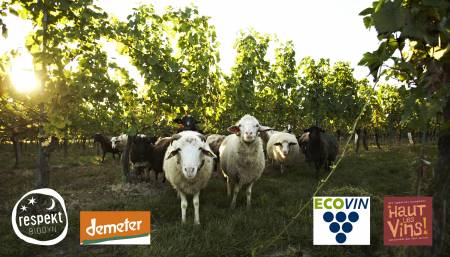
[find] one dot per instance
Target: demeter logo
(341, 220)
(40, 217)
(115, 227)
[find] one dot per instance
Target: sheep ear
(173, 153)
(234, 129)
(306, 130)
(209, 153)
(264, 128)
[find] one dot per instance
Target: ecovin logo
(341, 220)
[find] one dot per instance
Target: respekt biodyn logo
(341, 220)
(40, 217)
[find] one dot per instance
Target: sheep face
(283, 147)
(247, 128)
(190, 150)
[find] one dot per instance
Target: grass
(85, 184)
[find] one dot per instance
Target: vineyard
(393, 127)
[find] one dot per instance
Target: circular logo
(40, 217)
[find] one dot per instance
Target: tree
(285, 97)
(62, 31)
(248, 78)
(414, 48)
(177, 55)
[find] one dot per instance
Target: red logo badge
(408, 220)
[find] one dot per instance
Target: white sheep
(283, 149)
(242, 157)
(188, 165)
(119, 142)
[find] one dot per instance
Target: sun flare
(22, 74)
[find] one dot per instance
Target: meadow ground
(86, 184)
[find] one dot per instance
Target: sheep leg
(237, 187)
(114, 155)
(227, 179)
(196, 202)
(282, 168)
(184, 205)
(317, 164)
(103, 157)
(228, 186)
(249, 196)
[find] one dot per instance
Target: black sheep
(141, 150)
(106, 145)
(157, 156)
(321, 149)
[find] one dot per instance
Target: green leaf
(367, 21)
(366, 11)
(13, 11)
(389, 18)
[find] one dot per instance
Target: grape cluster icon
(339, 224)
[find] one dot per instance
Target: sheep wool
(188, 165)
(172, 171)
(283, 148)
(243, 163)
(179, 182)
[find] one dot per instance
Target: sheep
(303, 143)
(159, 149)
(288, 128)
(214, 141)
(119, 142)
(188, 165)
(106, 145)
(265, 136)
(242, 157)
(141, 150)
(322, 148)
(283, 149)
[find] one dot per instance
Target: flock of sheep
(189, 158)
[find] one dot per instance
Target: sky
(320, 28)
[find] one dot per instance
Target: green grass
(85, 184)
